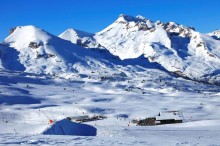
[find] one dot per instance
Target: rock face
(35, 45)
(12, 30)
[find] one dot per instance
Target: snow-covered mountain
(32, 49)
(81, 38)
(215, 34)
(170, 46)
(177, 48)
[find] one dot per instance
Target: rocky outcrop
(12, 30)
(35, 45)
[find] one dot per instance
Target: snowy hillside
(81, 38)
(215, 34)
(34, 50)
(177, 48)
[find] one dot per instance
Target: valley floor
(28, 101)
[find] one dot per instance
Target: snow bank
(66, 127)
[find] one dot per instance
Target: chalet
(169, 117)
(166, 117)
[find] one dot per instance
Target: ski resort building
(166, 117)
(169, 117)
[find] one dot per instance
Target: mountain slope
(41, 52)
(177, 48)
(34, 50)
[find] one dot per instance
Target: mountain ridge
(176, 48)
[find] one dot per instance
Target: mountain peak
(142, 17)
(75, 32)
(128, 18)
(26, 27)
(28, 33)
(215, 34)
(79, 37)
(217, 31)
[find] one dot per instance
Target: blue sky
(56, 16)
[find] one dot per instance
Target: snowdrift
(66, 127)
